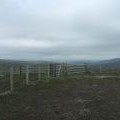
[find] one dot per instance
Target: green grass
(14, 103)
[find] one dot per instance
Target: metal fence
(76, 69)
(14, 78)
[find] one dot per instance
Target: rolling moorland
(106, 66)
(74, 98)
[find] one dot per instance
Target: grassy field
(73, 98)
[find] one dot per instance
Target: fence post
(66, 67)
(59, 71)
(11, 80)
(48, 71)
(27, 75)
(39, 73)
(20, 70)
(63, 71)
(100, 69)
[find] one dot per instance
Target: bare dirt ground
(68, 100)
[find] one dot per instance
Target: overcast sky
(59, 29)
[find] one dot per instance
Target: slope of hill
(6, 64)
(106, 64)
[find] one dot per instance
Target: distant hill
(106, 64)
(111, 64)
(6, 64)
(83, 62)
(17, 62)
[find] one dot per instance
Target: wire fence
(14, 78)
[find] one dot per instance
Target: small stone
(81, 101)
(84, 112)
(68, 116)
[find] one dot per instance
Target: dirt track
(74, 100)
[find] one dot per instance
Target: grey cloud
(74, 29)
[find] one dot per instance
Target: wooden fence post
(11, 80)
(48, 72)
(27, 75)
(20, 70)
(63, 68)
(39, 73)
(59, 71)
(66, 67)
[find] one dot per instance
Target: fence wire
(14, 78)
